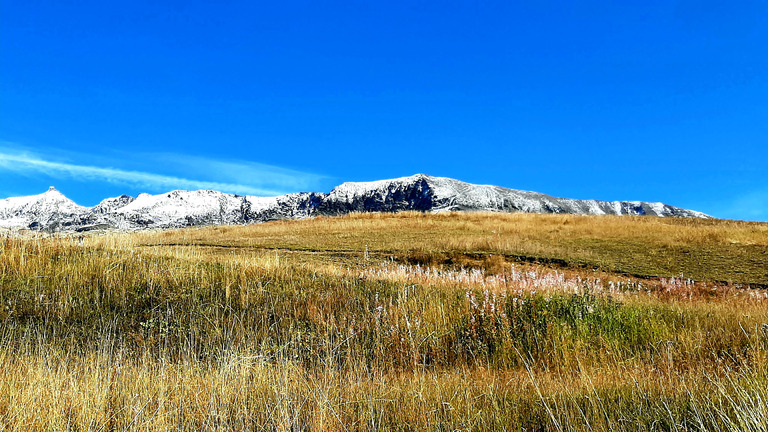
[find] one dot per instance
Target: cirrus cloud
(247, 178)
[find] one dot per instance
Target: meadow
(396, 322)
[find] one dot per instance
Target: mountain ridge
(53, 211)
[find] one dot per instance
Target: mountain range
(52, 211)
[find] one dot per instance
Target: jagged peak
(52, 191)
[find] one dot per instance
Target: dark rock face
(111, 204)
(291, 206)
(396, 196)
(53, 211)
(95, 227)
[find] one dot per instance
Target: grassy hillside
(727, 251)
(390, 322)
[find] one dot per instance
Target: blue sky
(632, 100)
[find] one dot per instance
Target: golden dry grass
(386, 322)
(729, 251)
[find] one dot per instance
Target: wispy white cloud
(241, 172)
(233, 177)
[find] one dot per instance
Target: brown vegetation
(389, 322)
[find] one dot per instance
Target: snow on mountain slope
(49, 209)
(110, 205)
(406, 193)
(290, 206)
(423, 192)
(52, 210)
(179, 209)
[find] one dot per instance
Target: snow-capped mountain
(427, 193)
(179, 208)
(53, 211)
(50, 209)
